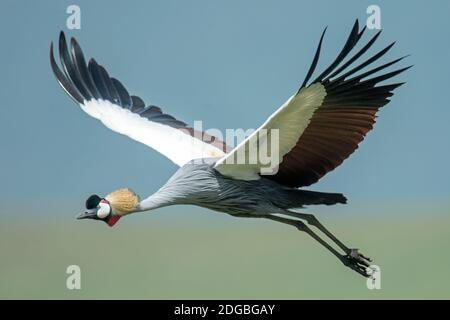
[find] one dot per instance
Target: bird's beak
(88, 214)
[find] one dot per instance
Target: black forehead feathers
(93, 201)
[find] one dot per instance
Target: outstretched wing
(323, 123)
(107, 100)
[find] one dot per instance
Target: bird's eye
(103, 210)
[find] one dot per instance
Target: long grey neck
(187, 186)
(159, 199)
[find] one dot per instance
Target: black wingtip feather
(362, 65)
(80, 65)
(123, 93)
(314, 62)
(95, 72)
(355, 57)
(362, 31)
(377, 69)
(113, 94)
(350, 43)
(357, 88)
(70, 69)
(64, 82)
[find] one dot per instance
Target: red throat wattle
(113, 220)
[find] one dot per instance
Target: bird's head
(111, 208)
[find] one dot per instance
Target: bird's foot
(358, 262)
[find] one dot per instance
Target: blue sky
(227, 63)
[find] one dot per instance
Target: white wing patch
(176, 145)
(291, 120)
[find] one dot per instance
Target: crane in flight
(317, 128)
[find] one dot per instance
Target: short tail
(307, 197)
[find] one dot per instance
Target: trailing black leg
(351, 259)
(312, 220)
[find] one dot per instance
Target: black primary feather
(80, 64)
(314, 62)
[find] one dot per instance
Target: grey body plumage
(198, 183)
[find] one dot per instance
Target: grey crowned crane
(318, 127)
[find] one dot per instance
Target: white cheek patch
(103, 210)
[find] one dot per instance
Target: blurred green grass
(166, 256)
